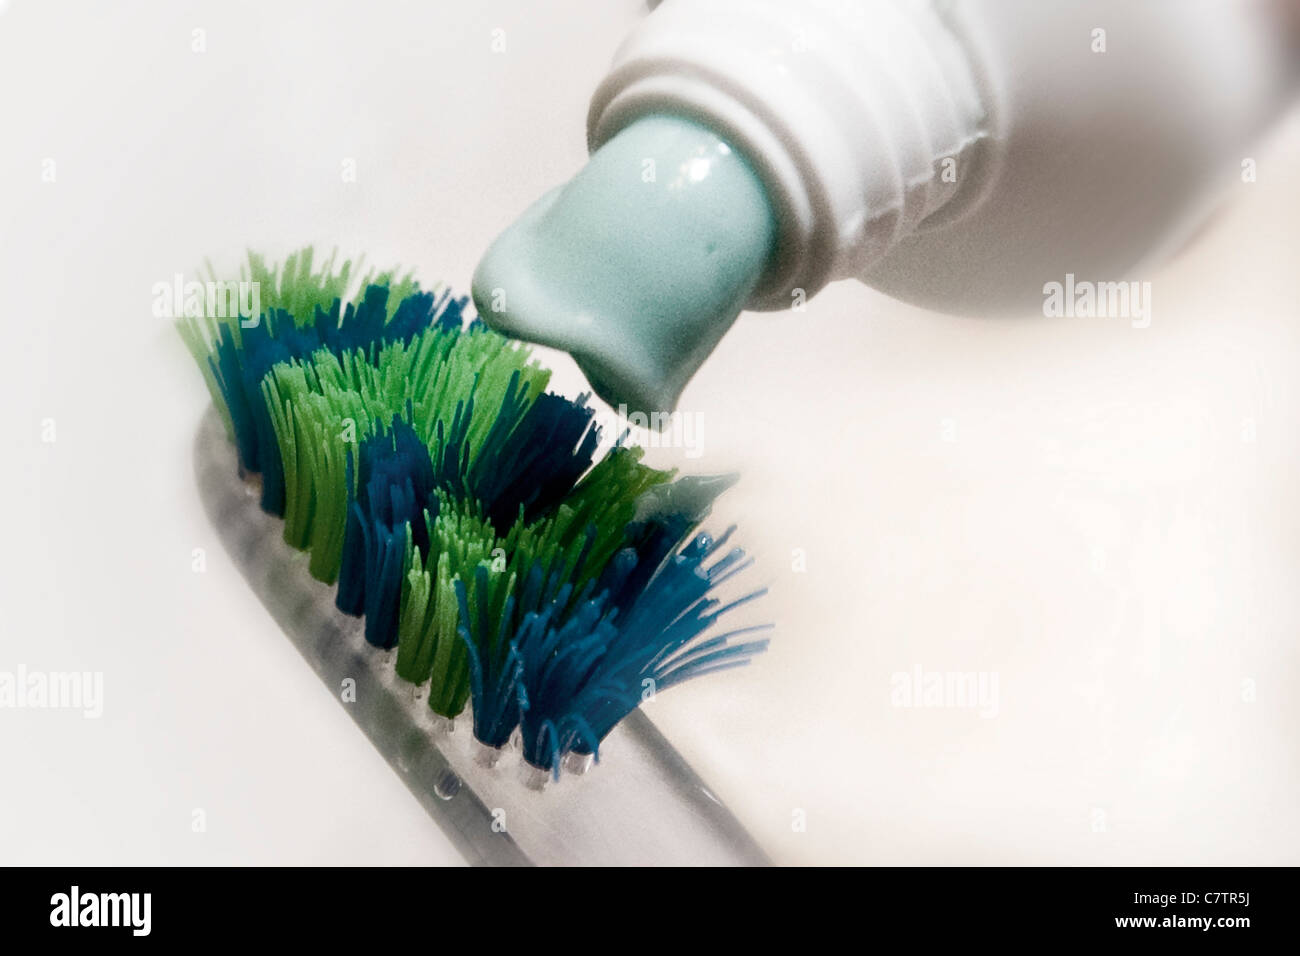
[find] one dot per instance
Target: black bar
(978, 906)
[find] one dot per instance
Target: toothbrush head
(462, 509)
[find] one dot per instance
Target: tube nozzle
(639, 265)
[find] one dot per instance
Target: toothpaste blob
(639, 265)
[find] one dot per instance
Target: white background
(1113, 529)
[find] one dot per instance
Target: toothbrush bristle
(393, 489)
(425, 468)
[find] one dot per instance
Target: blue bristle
(326, 323)
(581, 676)
(225, 365)
(351, 596)
(531, 462)
(557, 660)
(413, 315)
(394, 487)
(363, 325)
(452, 449)
(452, 314)
(385, 550)
(533, 454)
(273, 340)
(493, 661)
(648, 545)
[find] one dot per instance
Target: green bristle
(316, 425)
(602, 505)
(606, 497)
(294, 287)
(336, 402)
(480, 364)
(449, 675)
(393, 382)
(554, 544)
(494, 377)
(320, 410)
(198, 335)
(428, 646)
(329, 445)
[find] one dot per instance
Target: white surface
(1097, 533)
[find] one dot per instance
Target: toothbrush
(484, 564)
